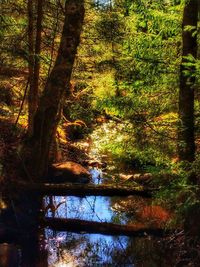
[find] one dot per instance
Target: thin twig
(23, 100)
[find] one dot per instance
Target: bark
(186, 135)
(80, 189)
(48, 112)
(79, 226)
(186, 138)
(34, 63)
(53, 42)
(30, 8)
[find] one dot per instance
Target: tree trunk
(35, 62)
(30, 8)
(78, 226)
(80, 190)
(186, 139)
(186, 113)
(47, 114)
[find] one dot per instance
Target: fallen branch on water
(81, 189)
(80, 226)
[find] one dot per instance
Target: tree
(48, 113)
(186, 137)
(34, 58)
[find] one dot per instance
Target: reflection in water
(70, 249)
(88, 250)
(87, 208)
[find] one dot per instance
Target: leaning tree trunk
(186, 139)
(47, 114)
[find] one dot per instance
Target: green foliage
(110, 28)
(196, 165)
(189, 63)
(133, 49)
(141, 65)
(175, 189)
(80, 109)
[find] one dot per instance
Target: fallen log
(82, 226)
(80, 189)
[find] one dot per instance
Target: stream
(66, 249)
(69, 249)
(73, 250)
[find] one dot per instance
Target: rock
(69, 171)
(125, 176)
(95, 164)
(144, 178)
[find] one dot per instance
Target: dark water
(69, 249)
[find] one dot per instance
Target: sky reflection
(87, 208)
(71, 249)
(84, 249)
